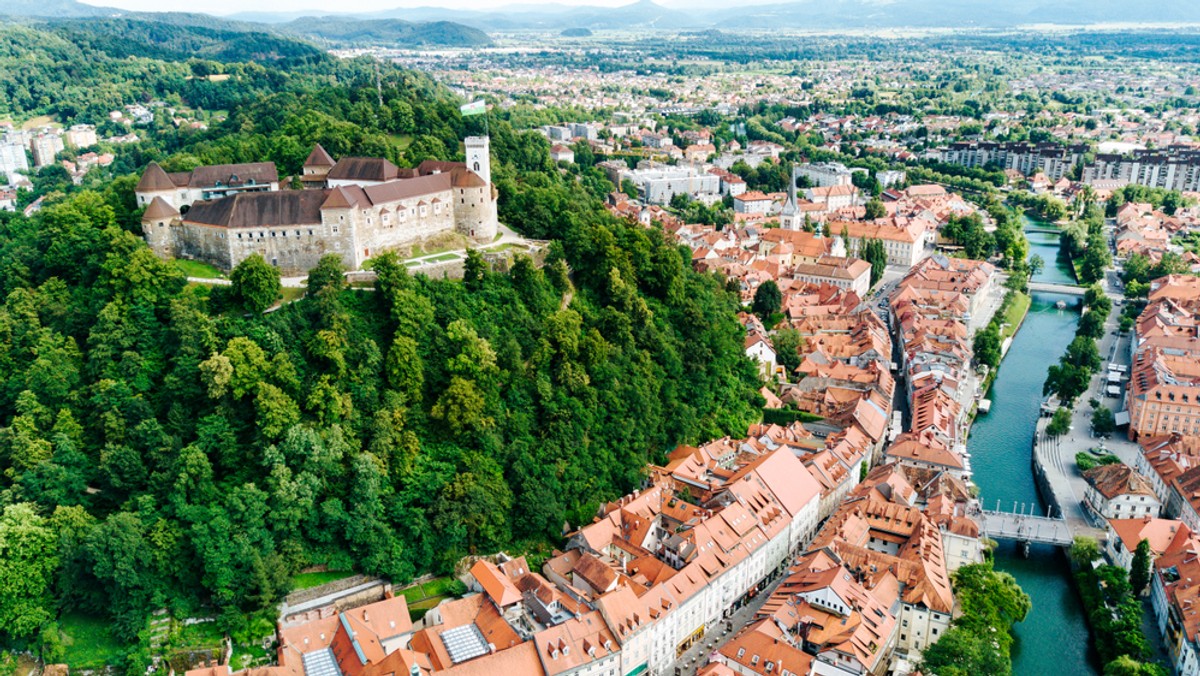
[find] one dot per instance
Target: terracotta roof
(497, 585)
(1118, 479)
(1160, 533)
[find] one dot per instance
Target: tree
(1060, 423)
(1103, 421)
(629, 188)
(28, 559)
(1128, 666)
(256, 284)
(875, 209)
(1084, 550)
(875, 254)
(1139, 571)
(1096, 259)
(788, 342)
(768, 300)
(987, 346)
(1036, 265)
(328, 274)
(474, 270)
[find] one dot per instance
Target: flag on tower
(473, 108)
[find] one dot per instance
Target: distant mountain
(948, 13)
(209, 34)
(179, 40)
(53, 9)
(389, 32)
(644, 14)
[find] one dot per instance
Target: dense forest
(160, 447)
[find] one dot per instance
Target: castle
(355, 207)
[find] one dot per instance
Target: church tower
(479, 157)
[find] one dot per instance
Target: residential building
(1052, 159)
(81, 136)
(1118, 492)
(825, 174)
(46, 145)
(1124, 535)
(1174, 168)
(852, 274)
(753, 202)
(1175, 597)
(904, 245)
(561, 153)
(13, 158)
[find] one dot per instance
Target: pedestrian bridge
(1047, 287)
(1026, 528)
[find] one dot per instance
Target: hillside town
(405, 347)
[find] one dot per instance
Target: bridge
(1068, 289)
(1026, 528)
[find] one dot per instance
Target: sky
(344, 6)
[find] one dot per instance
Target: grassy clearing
(198, 269)
(201, 636)
(40, 121)
(402, 141)
(88, 641)
(249, 655)
(292, 294)
(310, 580)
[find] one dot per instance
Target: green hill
(389, 32)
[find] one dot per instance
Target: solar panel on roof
(464, 643)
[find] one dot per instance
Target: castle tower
(155, 183)
(316, 167)
(479, 157)
(158, 226)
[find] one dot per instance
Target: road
(1058, 455)
(697, 656)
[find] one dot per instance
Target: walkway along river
(1053, 639)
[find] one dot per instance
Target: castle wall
(203, 242)
(398, 224)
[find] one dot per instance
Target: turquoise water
(1045, 244)
(1053, 639)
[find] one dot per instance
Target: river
(1053, 639)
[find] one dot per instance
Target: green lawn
(1014, 312)
(309, 580)
(198, 269)
(88, 641)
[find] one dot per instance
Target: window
(754, 660)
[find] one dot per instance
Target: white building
(1118, 492)
(825, 174)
